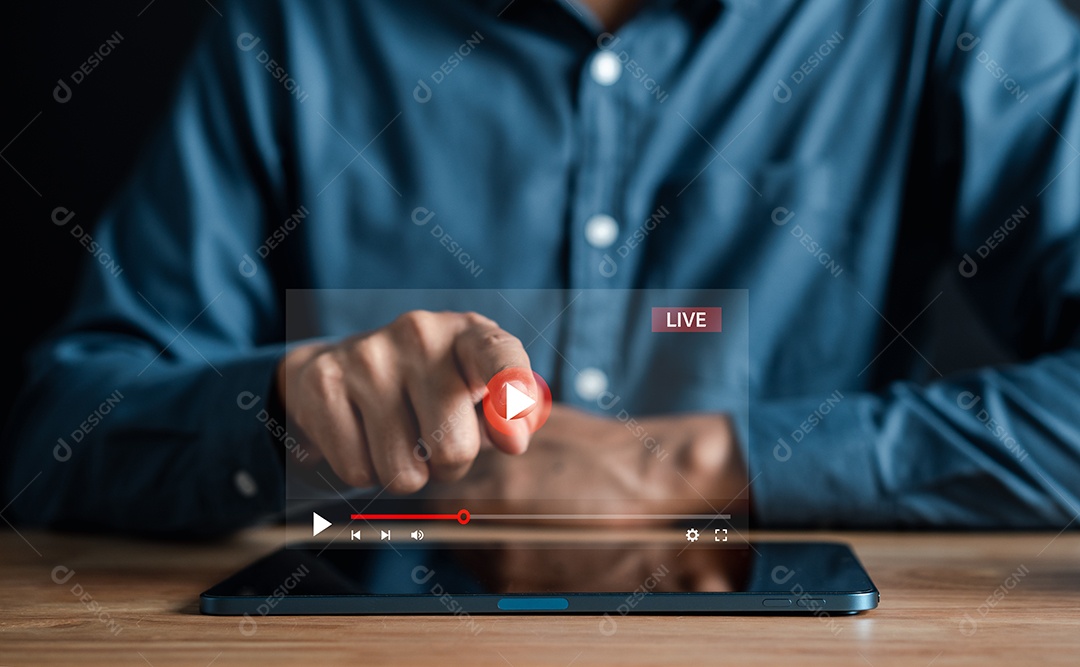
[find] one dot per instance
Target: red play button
(512, 398)
(517, 401)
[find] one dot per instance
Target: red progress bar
(461, 517)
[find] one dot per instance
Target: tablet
(511, 578)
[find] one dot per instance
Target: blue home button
(533, 604)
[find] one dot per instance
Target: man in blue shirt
(822, 155)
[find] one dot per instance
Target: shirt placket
(595, 303)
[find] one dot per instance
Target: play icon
(318, 524)
(517, 401)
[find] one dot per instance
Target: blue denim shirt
(823, 155)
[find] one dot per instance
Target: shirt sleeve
(996, 447)
(144, 410)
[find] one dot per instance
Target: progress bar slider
(464, 516)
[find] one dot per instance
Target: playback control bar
(464, 517)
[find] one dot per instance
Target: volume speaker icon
(417, 535)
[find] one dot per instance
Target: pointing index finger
(484, 349)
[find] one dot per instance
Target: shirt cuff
(250, 473)
(814, 463)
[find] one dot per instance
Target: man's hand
(584, 464)
(365, 403)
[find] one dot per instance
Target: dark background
(78, 153)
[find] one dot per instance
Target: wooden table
(945, 599)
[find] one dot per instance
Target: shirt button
(601, 230)
(590, 384)
(605, 68)
(245, 484)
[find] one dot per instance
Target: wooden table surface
(945, 599)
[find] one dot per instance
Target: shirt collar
(500, 6)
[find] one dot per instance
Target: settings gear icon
(692, 535)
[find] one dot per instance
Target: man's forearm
(994, 448)
(123, 441)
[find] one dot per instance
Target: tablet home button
(776, 602)
(533, 604)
